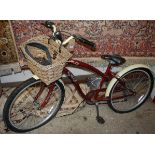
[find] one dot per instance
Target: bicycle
(124, 91)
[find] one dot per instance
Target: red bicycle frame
(79, 64)
(93, 95)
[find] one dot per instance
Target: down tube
(81, 65)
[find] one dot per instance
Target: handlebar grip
(86, 42)
(49, 24)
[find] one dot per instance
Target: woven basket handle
(44, 62)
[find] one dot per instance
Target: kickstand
(98, 117)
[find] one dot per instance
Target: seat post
(108, 70)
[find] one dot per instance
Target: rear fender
(122, 72)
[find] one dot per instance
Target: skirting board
(9, 69)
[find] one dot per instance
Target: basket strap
(42, 47)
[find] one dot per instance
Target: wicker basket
(52, 72)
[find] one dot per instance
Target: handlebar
(57, 35)
(85, 41)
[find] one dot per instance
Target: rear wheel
(22, 111)
(131, 90)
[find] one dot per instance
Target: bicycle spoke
(141, 88)
(23, 121)
(24, 114)
(139, 82)
(32, 121)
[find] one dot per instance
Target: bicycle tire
(151, 83)
(17, 92)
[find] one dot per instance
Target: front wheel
(23, 112)
(131, 90)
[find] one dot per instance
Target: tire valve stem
(37, 105)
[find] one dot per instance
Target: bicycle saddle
(114, 60)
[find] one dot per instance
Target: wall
(127, 38)
(7, 46)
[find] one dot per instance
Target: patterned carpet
(124, 37)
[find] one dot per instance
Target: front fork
(43, 104)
